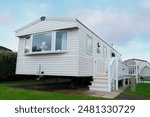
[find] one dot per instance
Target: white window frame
(105, 52)
(53, 44)
(89, 52)
(30, 43)
(41, 51)
(66, 41)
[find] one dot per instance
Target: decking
(109, 76)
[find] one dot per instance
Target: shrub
(7, 64)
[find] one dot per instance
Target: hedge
(7, 64)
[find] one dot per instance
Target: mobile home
(142, 66)
(66, 47)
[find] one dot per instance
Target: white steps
(94, 88)
(99, 84)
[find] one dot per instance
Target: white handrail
(111, 74)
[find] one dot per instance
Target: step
(100, 77)
(94, 88)
(105, 75)
(105, 85)
(100, 81)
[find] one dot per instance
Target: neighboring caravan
(66, 47)
(143, 67)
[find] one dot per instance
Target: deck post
(124, 82)
(109, 79)
(116, 61)
(128, 81)
(136, 75)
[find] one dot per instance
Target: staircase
(99, 84)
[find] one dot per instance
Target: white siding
(85, 60)
(64, 64)
(145, 72)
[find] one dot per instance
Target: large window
(89, 44)
(61, 41)
(41, 42)
(46, 42)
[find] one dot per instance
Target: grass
(9, 93)
(142, 89)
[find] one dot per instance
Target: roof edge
(47, 18)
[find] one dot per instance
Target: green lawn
(142, 89)
(9, 93)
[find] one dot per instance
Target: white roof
(47, 18)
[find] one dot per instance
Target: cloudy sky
(123, 23)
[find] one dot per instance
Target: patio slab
(103, 94)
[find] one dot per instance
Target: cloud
(135, 49)
(6, 19)
(145, 4)
(44, 6)
(9, 40)
(117, 27)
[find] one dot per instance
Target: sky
(123, 23)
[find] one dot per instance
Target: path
(110, 95)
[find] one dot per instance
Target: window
(61, 41)
(41, 42)
(89, 44)
(27, 44)
(46, 42)
(98, 48)
(104, 52)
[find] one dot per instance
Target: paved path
(110, 95)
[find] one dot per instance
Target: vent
(43, 18)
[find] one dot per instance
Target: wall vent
(43, 18)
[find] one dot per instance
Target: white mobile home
(143, 67)
(65, 47)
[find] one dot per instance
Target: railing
(117, 70)
(111, 74)
(134, 71)
(123, 70)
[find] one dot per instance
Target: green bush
(7, 64)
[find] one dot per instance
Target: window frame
(38, 34)
(105, 53)
(66, 40)
(30, 43)
(87, 50)
(53, 44)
